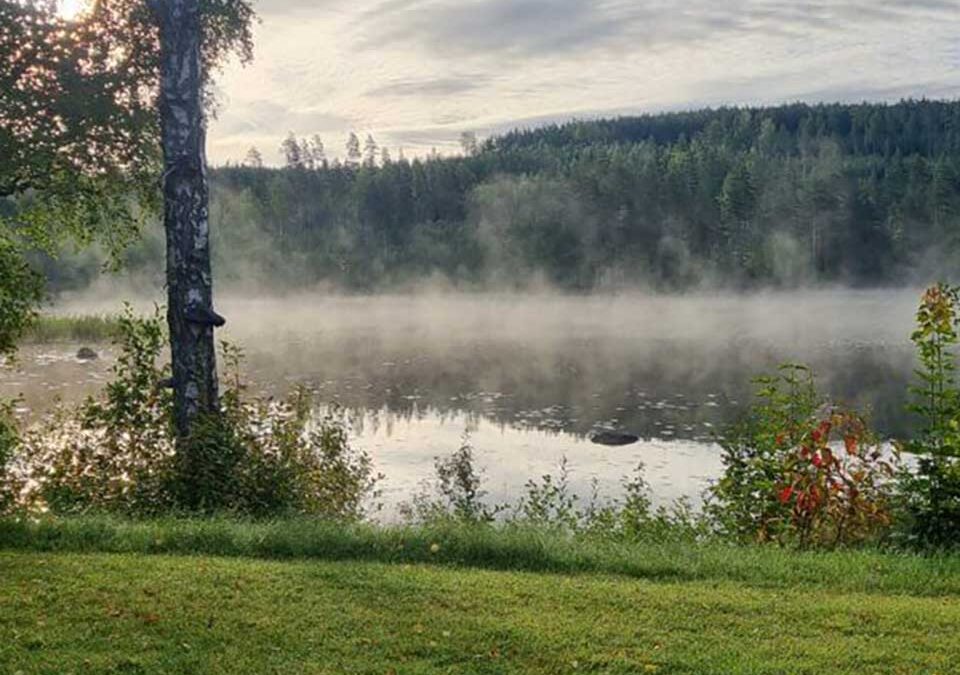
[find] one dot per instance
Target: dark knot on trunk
(204, 316)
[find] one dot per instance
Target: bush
(548, 502)
(265, 457)
(256, 457)
(632, 517)
(930, 503)
(456, 494)
(113, 453)
(930, 495)
(10, 485)
(21, 292)
(800, 471)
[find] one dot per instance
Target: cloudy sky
(416, 73)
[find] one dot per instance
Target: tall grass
(92, 328)
(502, 548)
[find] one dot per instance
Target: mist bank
(795, 196)
(656, 363)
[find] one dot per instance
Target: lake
(528, 377)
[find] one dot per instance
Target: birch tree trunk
(190, 312)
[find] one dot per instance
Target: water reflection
(404, 447)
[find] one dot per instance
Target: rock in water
(614, 438)
(87, 354)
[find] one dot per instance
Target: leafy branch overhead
(79, 126)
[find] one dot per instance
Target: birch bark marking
(190, 312)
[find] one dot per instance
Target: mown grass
(93, 328)
(130, 613)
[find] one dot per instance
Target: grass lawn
(68, 611)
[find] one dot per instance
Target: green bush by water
(117, 453)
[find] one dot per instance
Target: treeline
(862, 194)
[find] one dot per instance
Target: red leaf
(785, 494)
(821, 432)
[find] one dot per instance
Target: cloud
(418, 72)
(257, 116)
(445, 86)
(530, 28)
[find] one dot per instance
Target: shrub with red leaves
(801, 471)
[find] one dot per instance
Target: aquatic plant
(86, 328)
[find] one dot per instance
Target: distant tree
(776, 196)
(943, 190)
(353, 151)
(468, 143)
(370, 150)
(292, 152)
(385, 157)
(253, 159)
(737, 199)
(319, 151)
(306, 154)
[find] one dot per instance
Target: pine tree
(319, 152)
(290, 149)
(353, 151)
(370, 150)
(468, 143)
(253, 159)
(306, 155)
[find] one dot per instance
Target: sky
(417, 73)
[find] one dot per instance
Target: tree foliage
(864, 194)
(79, 130)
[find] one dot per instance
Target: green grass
(516, 549)
(94, 328)
(102, 613)
(186, 596)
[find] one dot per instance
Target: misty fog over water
(529, 376)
